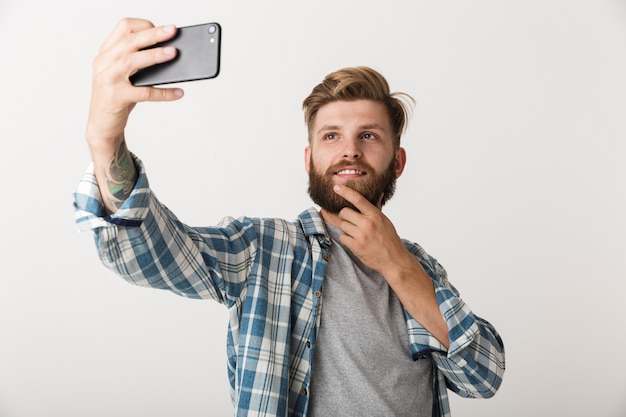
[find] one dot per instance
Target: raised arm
(113, 97)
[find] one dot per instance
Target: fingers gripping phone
(197, 58)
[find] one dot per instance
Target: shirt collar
(313, 224)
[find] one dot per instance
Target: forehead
(352, 113)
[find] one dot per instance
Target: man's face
(352, 144)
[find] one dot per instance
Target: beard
(372, 186)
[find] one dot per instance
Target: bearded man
(331, 314)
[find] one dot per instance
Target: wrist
(403, 268)
(102, 144)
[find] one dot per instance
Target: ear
(307, 158)
(400, 161)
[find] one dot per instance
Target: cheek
(317, 162)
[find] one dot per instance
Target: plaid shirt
(269, 274)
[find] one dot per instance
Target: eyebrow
(369, 126)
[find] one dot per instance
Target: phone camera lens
(212, 29)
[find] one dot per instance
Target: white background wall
(515, 182)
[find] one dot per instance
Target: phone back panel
(198, 57)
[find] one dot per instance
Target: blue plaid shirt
(269, 274)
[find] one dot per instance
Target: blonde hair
(359, 83)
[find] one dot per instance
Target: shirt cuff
(89, 209)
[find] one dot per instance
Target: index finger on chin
(353, 196)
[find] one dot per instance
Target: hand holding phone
(198, 57)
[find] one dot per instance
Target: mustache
(361, 166)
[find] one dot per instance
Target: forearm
(416, 292)
(115, 172)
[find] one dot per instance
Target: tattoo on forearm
(120, 176)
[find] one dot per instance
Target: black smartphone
(197, 58)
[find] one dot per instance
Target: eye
(330, 136)
(368, 136)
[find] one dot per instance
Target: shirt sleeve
(147, 245)
(474, 363)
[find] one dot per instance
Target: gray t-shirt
(362, 364)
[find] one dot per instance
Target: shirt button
(303, 391)
(317, 294)
(308, 344)
(326, 257)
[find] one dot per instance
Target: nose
(352, 148)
